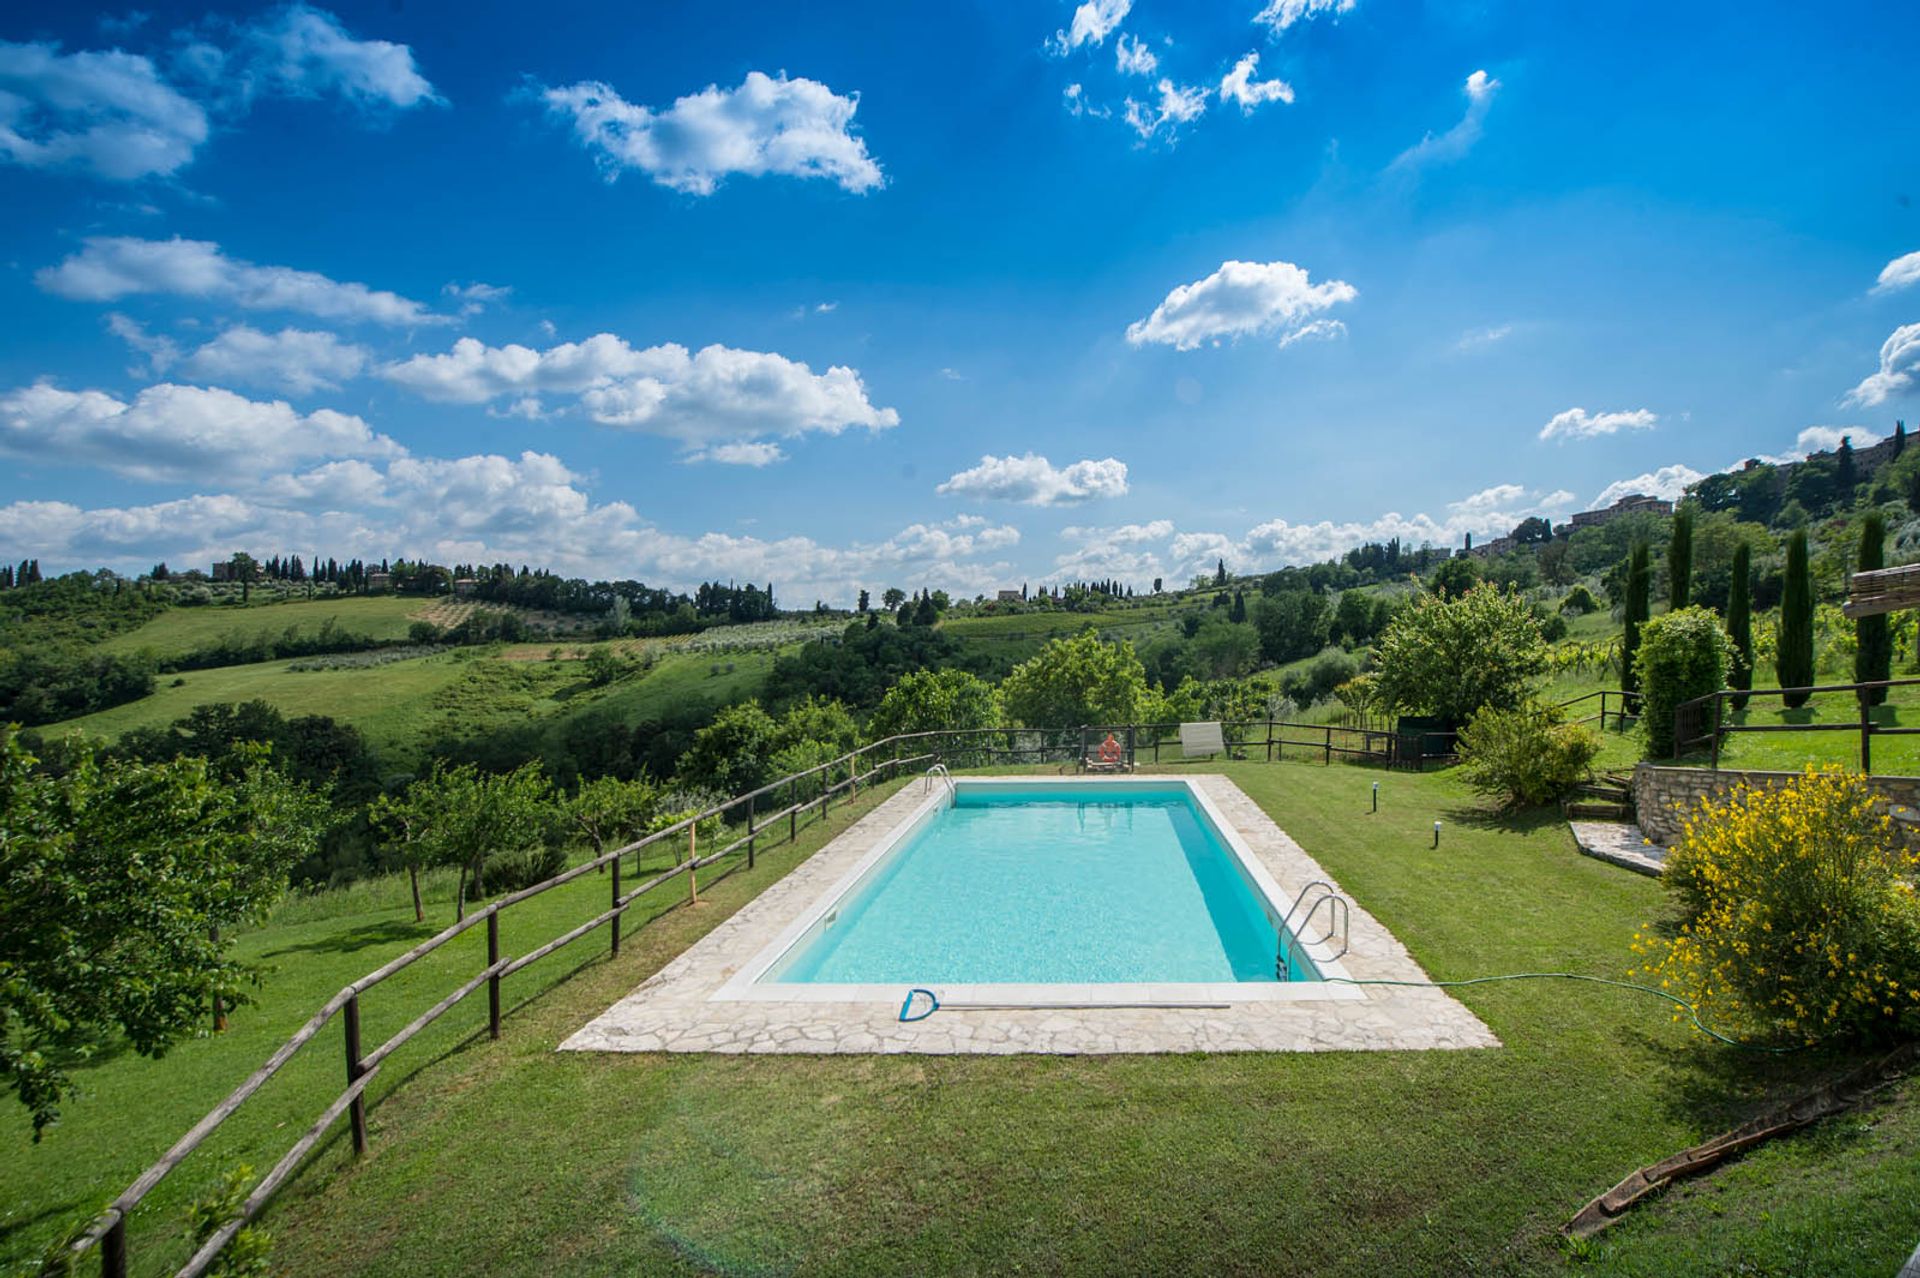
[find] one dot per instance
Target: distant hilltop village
(1865, 461)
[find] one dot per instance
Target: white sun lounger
(1201, 738)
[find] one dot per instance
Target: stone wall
(1663, 796)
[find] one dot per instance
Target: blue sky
(867, 295)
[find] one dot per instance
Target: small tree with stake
(1740, 625)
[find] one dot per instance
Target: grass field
(507, 1158)
(402, 705)
(181, 630)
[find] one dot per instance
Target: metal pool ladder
(938, 772)
(1339, 918)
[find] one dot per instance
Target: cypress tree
(1740, 623)
(1680, 560)
(1899, 438)
(1846, 472)
(1639, 608)
(1239, 612)
(1873, 646)
(1793, 660)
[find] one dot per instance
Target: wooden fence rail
(1705, 721)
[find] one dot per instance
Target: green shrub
(511, 871)
(1682, 655)
(1580, 600)
(1525, 757)
(1449, 657)
(1798, 913)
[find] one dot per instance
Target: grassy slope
(508, 1158)
(181, 630)
(403, 704)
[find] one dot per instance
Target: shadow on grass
(1719, 1087)
(386, 932)
(1522, 821)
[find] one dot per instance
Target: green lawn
(508, 1158)
(181, 630)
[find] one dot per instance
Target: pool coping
(681, 1007)
(746, 983)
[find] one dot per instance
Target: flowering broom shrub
(1798, 913)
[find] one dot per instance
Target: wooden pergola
(1883, 590)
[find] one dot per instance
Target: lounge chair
(1201, 738)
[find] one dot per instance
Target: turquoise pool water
(1048, 884)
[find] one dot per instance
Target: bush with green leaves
(1682, 655)
(1525, 757)
(1449, 657)
(1579, 600)
(935, 701)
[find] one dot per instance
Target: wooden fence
(1709, 720)
(1267, 739)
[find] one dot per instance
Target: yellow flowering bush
(1798, 915)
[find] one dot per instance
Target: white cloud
(1498, 497)
(1457, 141)
(296, 360)
(1240, 298)
(112, 267)
(171, 432)
(1901, 272)
(300, 51)
(1481, 338)
(162, 352)
(1320, 330)
(1578, 423)
(107, 113)
(1668, 482)
(798, 128)
(1822, 439)
(1075, 97)
(1899, 369)
(1092, 23)
(1278, 15)
(746, 453)
(475, 297)
(704, 399)
(1132, 56)
(1239, 86)
(1032, 480)
(1178, 105)
(1121, 534)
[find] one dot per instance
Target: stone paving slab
(1621, 843)
(676, 1011)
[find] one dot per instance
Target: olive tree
(1076, 681)
(1448, 657)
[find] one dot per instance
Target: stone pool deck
(676, 1011)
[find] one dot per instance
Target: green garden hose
(1692, 1012)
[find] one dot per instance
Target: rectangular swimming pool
(1113, 884)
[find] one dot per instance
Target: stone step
(1605, 789)
(1598, 811)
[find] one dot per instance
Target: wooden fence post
(493, 980)
(357, 1111)
(750, 803)
(113, 1250)
(1329, 759)
(693, 871)
(615, 921)
(1866, 736)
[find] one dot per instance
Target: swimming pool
(1023, 891)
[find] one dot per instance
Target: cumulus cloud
(1457, 141)
(1131, 56)
(1823, 439)
(1278, 15)
(1578, 423)
(105, 113)
(475, 297)
(1901, 272)
(1092, 23)
(1899, 369)
(111, 267)
(704, 399)
(799, 128)
(1239, 299)
(1668, 482)
(170, 432)
(295, 360)
(1178, 105)
(300, 51)
(746, 453)
(1239, 86)
(1032, 480)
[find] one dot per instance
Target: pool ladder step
(938, 772)
(1339, 918)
